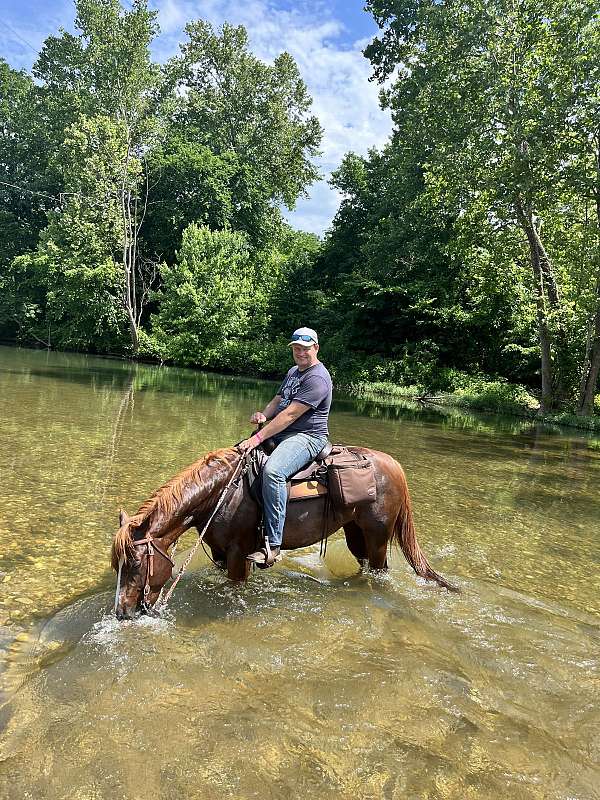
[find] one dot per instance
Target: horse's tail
(404, 535)
(122, 547)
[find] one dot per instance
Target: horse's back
(384, 463)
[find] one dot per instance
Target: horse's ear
(123, 518)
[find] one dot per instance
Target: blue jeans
(294, 452)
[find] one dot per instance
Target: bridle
(151, 546)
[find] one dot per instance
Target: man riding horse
(296, 419)
(211, 496)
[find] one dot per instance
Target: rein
(149, 542)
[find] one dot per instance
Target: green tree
(189, 183)
(253, 115)
(296, 294)
(206, 299)
(481, 86)
(577, 45)
(402, 284)
(110, 158)
(24, 194)
(75, 262)
(105, 72)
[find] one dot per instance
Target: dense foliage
(140, 203)
(501, 98)
(110, 162)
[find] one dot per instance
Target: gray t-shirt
(312, 387)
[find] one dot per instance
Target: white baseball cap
(305, 337)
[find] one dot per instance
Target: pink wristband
(258, 436)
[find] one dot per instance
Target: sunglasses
(302, 337)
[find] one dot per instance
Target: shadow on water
(102, 374)
(456, 418)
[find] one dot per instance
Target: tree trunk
(127, 290)
(589, 380)
(541, 268)
(591, 362)
(133, 331)
(129, 254)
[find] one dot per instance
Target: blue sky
(325, 38)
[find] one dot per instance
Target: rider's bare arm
(283, 419)
(269, 411)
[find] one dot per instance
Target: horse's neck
(196, 507)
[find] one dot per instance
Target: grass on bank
(481, 394)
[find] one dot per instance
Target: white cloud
(336, 73)
(171, 16)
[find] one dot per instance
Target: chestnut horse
(188, 499)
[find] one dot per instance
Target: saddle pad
(306, 490)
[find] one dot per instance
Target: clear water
(312, 680)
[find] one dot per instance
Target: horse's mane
(165, 502)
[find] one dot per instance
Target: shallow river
(313, 680)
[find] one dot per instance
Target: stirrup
(265, 557)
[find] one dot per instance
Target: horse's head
(144, 568)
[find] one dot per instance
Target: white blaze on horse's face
(131, 591)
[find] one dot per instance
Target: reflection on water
(312, 679)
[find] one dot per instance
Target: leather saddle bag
(351, 481)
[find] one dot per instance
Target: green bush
(496, 395)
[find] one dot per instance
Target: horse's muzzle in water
(123, 614)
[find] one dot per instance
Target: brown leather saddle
(338, 471)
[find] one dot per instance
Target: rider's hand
(248, 444)
(258, 417)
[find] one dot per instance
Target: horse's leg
(356, 542)
(377, 538)
(238, 568)
(219, 557)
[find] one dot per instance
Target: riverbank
(478, 394)
(468, 392)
